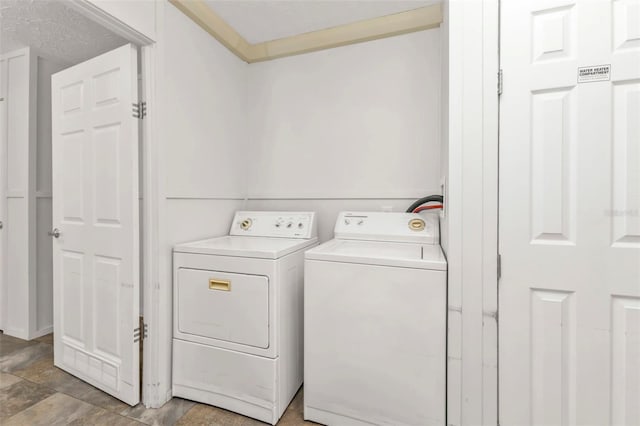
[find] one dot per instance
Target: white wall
(204, 131)
(356, 127)
(201, 128)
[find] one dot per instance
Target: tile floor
(34, 392)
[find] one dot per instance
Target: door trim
(471, 65)
(96, 14)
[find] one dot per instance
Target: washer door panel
(374, 344)
(224, 306)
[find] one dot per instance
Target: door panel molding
(569, 223)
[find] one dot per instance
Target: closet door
(569, 213)
(17, 193)
(95, 216)
(3, 184)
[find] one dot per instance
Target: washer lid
(254, 247)
(405, 255)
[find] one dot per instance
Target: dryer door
(225, 306)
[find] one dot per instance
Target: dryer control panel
(274, 224)
(393, 227)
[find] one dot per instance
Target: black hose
(427, 199)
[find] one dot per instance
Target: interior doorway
(39, 40)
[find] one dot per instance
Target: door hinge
(137, 335)
(499, 266)
(139, 110)
(500, 82)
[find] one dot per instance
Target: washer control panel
(395, 227)
(274, 224)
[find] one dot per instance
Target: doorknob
(1, 225)
(55, 233)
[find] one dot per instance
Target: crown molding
(357, 32)
(204, 16)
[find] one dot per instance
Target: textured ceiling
(264, 20)
(54, 30)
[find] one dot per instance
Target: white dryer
(238, 303)
(375, 322)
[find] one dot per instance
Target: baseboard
(17, 333)
(318, 415)
(42, 332)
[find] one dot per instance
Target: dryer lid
(406, 255)
(254, 247)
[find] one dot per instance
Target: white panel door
(3, 184)
(17, 205)
(570, 213)
(95, 210)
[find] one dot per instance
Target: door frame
(471, 124)
(149, 178)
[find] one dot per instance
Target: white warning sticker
(594, 73)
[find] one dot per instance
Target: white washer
(238, 303)
(375, 322)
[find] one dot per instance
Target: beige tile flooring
(34, 392)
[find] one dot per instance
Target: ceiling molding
(371, 29)
(204, 16)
